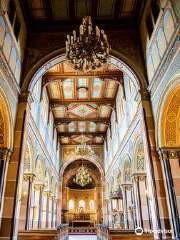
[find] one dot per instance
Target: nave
(89, 119)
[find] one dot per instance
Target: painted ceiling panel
(82, 92)
(82, 127)
(96, 88)
(72, 127)
(80, 8)
(128, 8)
(105, 8)
(79, 139)
(92, 127)
(65, 140)
(82, 110)
(68, 89)
(104, 111)
(60, 112)
(62, 128)
(110, 90)
(54, 91)
(102, 127)
(59, 9)
(99, 140)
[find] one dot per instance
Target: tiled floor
(82, 237)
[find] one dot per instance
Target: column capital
(139, 177)
(47, 193)
(127, 186)
(52, 197)
(29, 177)
(38, 187)
(5, 154)
(168, 153)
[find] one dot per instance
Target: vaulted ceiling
(51, 13)
(82, 103)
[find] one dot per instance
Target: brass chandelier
(82, 177)
(90, 49)
(83, 149)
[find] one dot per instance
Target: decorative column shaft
(47, 194)
(166, 155)
(39, 188)
(138, 205)
(28, 178)
(56, 220)
(4, 158)
(125, 206)
(52, 212)
(134, 208)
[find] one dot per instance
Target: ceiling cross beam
(59, 121)
(70, 134)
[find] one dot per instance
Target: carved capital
(139, 177)
(47, 193)
(5, 154)
(38, 187)
(29, 177)
(127, 187)
(169, 153)
(52, 197)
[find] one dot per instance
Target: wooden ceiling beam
(56, 103)
(59, 121)
(55, 75)
(65, 134)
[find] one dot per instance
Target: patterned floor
(82, 237)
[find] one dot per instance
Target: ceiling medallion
(83, 149)
(82, 177)
(82, 89)
(90, 50)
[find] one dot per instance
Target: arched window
(91, 204)
(82, 204)
(71, 204)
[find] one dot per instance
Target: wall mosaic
(1, 130)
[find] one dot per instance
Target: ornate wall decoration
(127, 171)
(68, 151)
(140, 158)
(170, 125)
(1, 129)
(27, 161)
(38, 171)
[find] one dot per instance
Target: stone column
(47, 195)
(126, 223)
(138, 202)
(134, 207)
(13, 188)
(170, 158)
(26, 204)
(52, 211)
(38, 193)
(56, 212)
(129, 207)
(142, 205)
(154, 171)
(4, 160)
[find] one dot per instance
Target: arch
(6, 121)
(53, 185)
(118, 59)
(47, 180)
(167, 120)
(139, 162)
(94, 159)
(28, 158)
(125, 158)
(39, 169)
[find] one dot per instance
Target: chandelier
(83, 149)
(82, 177)
(90, 49)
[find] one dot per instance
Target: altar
(81, 223)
